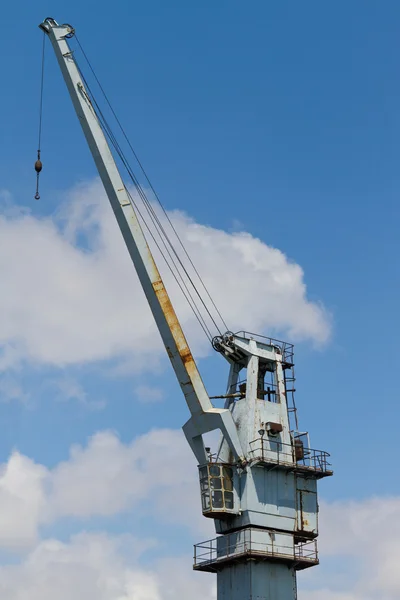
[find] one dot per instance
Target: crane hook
(38, 163)
(38, 168)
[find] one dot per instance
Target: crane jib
(203, 416)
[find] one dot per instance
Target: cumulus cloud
(68, 388)
(147, 394)
(70, 294)
(22, 501)
(107, 477)
(359, 543)
(104, 478)
(11, 390)
(98, 567)
(361, 540)
(326, 594)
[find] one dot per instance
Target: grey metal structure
(260, 485)
(266, 512)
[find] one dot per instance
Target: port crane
(260, 486)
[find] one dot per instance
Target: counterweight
(260, 486)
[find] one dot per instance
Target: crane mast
(260, 484)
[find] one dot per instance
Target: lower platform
(257, 545)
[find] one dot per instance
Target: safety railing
(287, 350)
(296, 455)
(246, 543)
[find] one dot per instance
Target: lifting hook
(38, 168)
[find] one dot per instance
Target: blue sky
(277, 119)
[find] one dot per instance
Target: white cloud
(258, 287)
(361, 538)
(359, 543)
(97, 567)
(22, 501)
(70, 293)
(381, 514)
(108, 477)
(104, 478)
(99, 479)
(326, 594)
(11, 390)
(68, 388)
(147, 394)
(112, 568)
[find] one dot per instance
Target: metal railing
(275, 452)
(231, 547)
(287, 350)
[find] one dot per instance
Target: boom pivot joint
(49, 23)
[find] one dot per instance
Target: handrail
(275, 451)
(287, 349)
(215, 550)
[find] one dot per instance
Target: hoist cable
(164, 236)
(187, 294)
(103, 122)
(154, 217)
(41, 92)
(118, 149)
(38, 163)
(158, 200)
(154, 220)
(182, 284)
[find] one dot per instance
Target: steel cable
(153, 215)
(150, 208)
(188, 296)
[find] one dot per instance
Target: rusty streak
(172, 320)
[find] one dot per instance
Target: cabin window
(216, 486)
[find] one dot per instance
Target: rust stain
(172, 320)
(186, 356)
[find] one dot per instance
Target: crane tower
(260, 485)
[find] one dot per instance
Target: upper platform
(275, 454)
(235, 346)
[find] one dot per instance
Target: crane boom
(204, 417)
